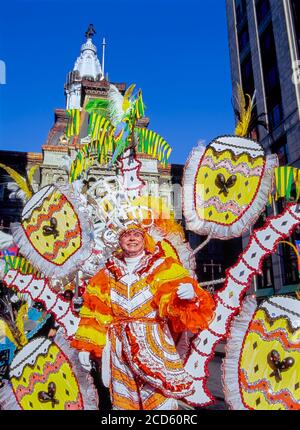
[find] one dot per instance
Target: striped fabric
(73, 126)
(19, 263)
(133, 306)
(284, 178)
(102, 131)
(130, 393)
(82, 162)
(97, 125)
(139, 106)
(146, 370)
(297, 182)
(102, 145)
(152, 144)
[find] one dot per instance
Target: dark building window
(241, 10)
(289, 264)
(271, 77)
(280, 148)
(263, 10)
(275, 116)
(267, 45)
(295, 6)
(247, 76)
(244, 38)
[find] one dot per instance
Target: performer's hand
(186, 292)
(84, 358)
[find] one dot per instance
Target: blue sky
(175, 51)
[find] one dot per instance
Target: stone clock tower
(85, 82)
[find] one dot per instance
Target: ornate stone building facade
(85, 82)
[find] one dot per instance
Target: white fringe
(84, 379)
(115, 107)
(230, 365)
(8, 401)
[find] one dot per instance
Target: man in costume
(130, 309)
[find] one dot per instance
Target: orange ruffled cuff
(80, 345)
(193, 315)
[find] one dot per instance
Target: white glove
(84, 358)
(186, 292)
(106, 365)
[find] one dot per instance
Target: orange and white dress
(132, 305)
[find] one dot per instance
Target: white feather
(12, 186)
(18, 195)
(115, 107)
(6, 240)
(66, 163)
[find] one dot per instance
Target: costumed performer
(130, 308)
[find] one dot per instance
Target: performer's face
(132, 243)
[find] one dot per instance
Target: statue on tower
(90, 31)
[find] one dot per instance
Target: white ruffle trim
(8, 401)
(230, 365)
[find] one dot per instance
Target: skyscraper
(264, 41)
(264, 45)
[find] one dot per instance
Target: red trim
(71, 367)
(37, 299)
(78, 224)
(247, 265)
(137, 169)
(10, 282)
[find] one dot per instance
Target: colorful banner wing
(284, 178)
(139, 106)
(98, 106)
(73, 126)
(152, 144)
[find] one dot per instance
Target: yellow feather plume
(5, 331)
(245, 113)
(128, 93)
(21, 316)
(19, 180)
(31, 173)
(19, 338)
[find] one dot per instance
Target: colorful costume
(131, 309)
(135, 306)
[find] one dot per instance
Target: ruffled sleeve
(95, 315)
(193, 315)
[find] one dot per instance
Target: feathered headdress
(247, 120)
